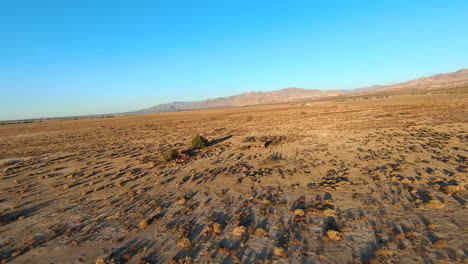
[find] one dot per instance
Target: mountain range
(437, 81)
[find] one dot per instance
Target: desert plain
(365, 179)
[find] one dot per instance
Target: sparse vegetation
(261, 232)
(273, 158)
(326, 187)
(239, 231)
(170, 155)
(183, 242)
(217, 228)
(333, 235)
(199, 142)
(143, 224)
(436, 204)
(279, 251)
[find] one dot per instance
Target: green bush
(199, 142)
(170, 155)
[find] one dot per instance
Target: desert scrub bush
(170, 155)
(199, 142)
(239, 231)
(273, 158)
(435, 204)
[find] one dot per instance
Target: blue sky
(60, 58)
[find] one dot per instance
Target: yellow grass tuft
(217, 228)
(143, 224)
(260, 232)
(239, 231)
(279, 251)
(435, 204)
(440, 243)
(329, 212)
(100, 261)
(333, 235)
(299, 212)
(183, 242)
(383, 252)
(182, 201)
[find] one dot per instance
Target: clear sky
(60, 58)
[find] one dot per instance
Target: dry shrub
(260, 232)
(329, 212)
(183, 260)
(273, 158)
(249, 139)
(163, 228)
(435, 204)
(383, 252)
(143, 224)
(333, 235)
(400, 236)
(239, 231)
(182, 201)
(440, 243)
(206, 231)
(451, 189)
(299, 212)
(406, 181)
(217, 228)
(328, 202)
(183, 242)
(279, 251)
(101, 261)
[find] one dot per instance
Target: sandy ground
(375, 180)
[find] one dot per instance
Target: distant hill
(437, 81)
(248, 98)
(370, 88)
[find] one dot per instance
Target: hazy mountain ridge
(436, 81)
(248, 98)
(293, 94)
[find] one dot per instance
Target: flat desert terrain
(376, 179)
